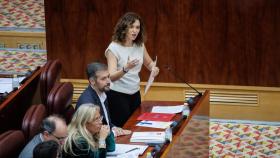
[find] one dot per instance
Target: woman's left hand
(104, 132)
(155, 71)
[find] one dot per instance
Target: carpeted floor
(228, 139)
(21, 61)
(242, 140)
(19, 15)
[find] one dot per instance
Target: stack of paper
(148, 137)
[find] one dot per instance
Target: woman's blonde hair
(77, 128)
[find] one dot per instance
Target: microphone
(192, 100)
(176, 124)
(158, 149)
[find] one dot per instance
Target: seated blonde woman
(87, 137)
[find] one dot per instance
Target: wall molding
(23, 40)
(230, 98)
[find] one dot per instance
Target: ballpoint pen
(146, 123)
(132, 150)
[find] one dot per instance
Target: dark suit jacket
(90, 96)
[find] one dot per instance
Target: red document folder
(148, 116)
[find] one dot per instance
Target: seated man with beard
(99, 83)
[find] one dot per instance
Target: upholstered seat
(49, 77)
(60, 99)
(11, 143)
(32, 120)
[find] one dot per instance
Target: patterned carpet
(228, 139)
(244, 140)
(22, 15)
(21, 61)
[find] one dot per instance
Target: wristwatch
(124, 70)
(102, 144)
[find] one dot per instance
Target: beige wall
(227, 102)
(23, 40)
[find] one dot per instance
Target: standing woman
(125, 56)
(87, 137)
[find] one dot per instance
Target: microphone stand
(159, 148)
(177, 124)
(192, 100)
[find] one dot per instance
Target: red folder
(148, 116)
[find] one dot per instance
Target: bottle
(15, 81)
(168, 134)
(149, 155)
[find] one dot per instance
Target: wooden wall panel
(204, 41)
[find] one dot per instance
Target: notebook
(148, 116)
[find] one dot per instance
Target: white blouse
(130, 82)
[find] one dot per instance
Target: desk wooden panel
(192, 139)
(13, 108)
(201, 109)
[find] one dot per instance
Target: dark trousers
(121, 106)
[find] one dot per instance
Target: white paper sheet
(148, 137)
(168, 109)
(5, 87)
(154, 124)
(125, 150)
(6, 84)
(151, 79)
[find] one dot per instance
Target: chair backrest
(49, 76)
(32, 120)
(11, 143)
(60, 100)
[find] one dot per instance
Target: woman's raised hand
(155, 71)
(131, 63)
(104, 132)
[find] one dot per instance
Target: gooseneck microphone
(176, 124)
(159, 149)
(192, 100)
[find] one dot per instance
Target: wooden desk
(13, 108)
(197, 124)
